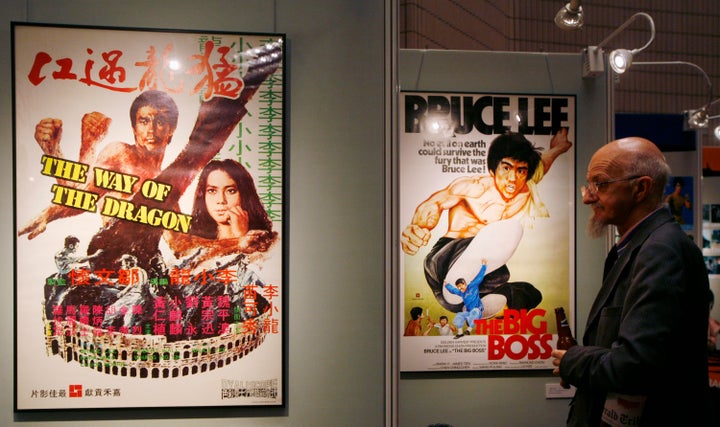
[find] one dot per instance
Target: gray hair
(654, 166)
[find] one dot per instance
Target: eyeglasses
(592, 188)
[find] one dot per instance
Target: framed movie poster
(148, 217)
(486, 225)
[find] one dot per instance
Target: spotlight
(717, 132)
(698, 118)
(570, 16)
(620, 59)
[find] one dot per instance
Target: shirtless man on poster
(154, 117)
(216, 119)
(474, 202)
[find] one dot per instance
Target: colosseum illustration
(148, 356)
(151, 329)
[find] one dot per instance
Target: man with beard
(646, 333)
(473, 202)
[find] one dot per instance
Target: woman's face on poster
(221, 195)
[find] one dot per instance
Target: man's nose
(588, 197)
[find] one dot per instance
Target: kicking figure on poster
(473, 205)
(470, 294)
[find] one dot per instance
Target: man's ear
(643, 187)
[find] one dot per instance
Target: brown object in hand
(565, 337)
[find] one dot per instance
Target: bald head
(623, 151)
(635, 156)
(630, 175)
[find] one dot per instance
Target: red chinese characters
(213, 71)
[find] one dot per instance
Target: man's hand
(413, 238)
(558, 145)
(35, 227)
(559, 141)
(48, 133)
(96, 254)
(558, 355)
(94, 127)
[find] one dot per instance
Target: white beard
(596, 228)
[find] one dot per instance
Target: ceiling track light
(699, 118)
(570, 16)
(620, 59)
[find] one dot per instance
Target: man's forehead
(151, 110)
(604, 162)
(514, 162)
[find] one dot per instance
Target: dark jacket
(646, 332)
